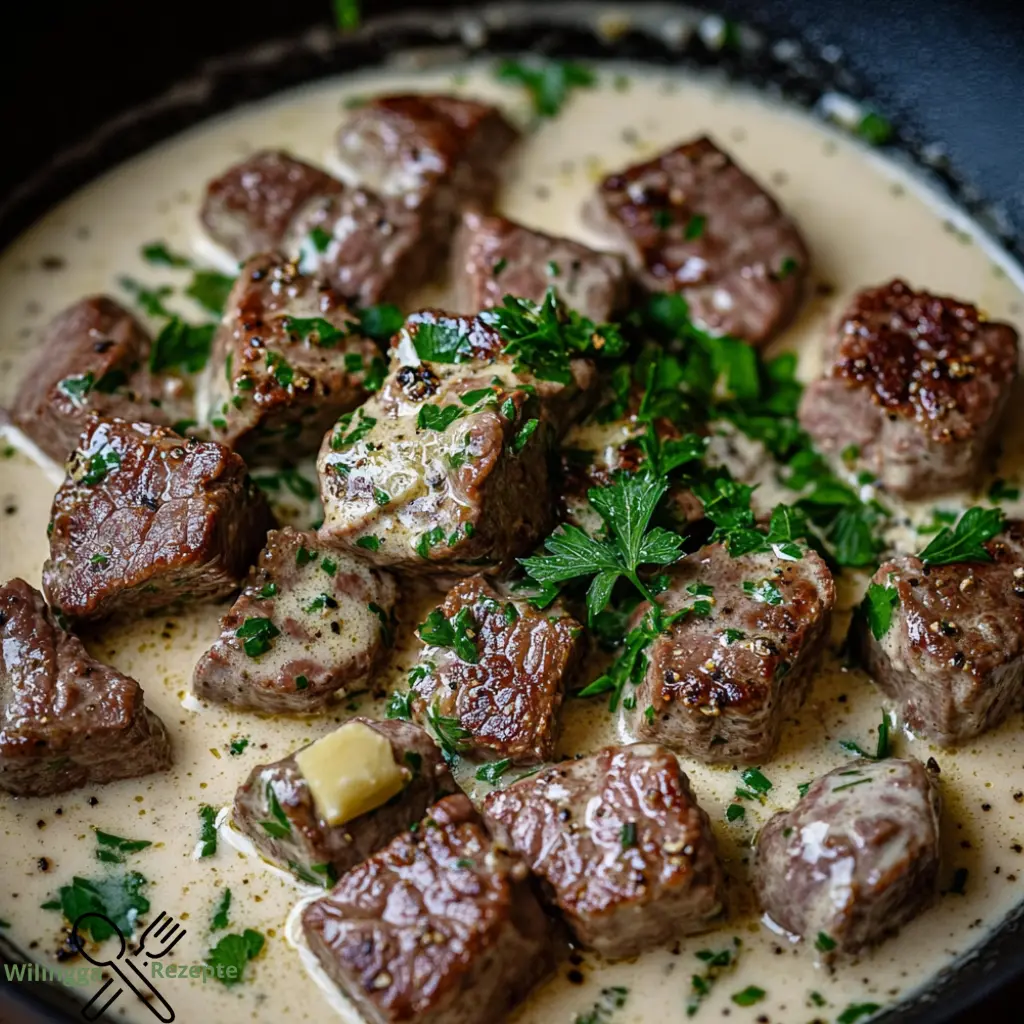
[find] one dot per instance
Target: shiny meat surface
(914, 389)
(494, 257)
(722, 680)
(504, 703)
(93, 359)
(624, 850)
(439, 927)
(310, 623)
(856, 859)
(287, 361)
(694, 222)
(952, 656)
(68, 720)
(146, 518)
(316, 851)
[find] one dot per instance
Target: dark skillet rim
(776, 64)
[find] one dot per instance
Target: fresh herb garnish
(883, 748)
(238, 745)
(493, 771)
(210, 290)
(99, 465)
(207, 831)
(232, 953)
(437, 417)
(400, 706)
(749, 996)
(346, 14)
(220, 915)
(450, 733)
(735, 812)
(627, 835)
(457, 633)
(1001, 490)
(257, 635)
(880, 601)
(159, 255)
(603, 1011)
(111, 848)
(764, 592)
(523, 435)
(280, 827)
(181, 345)
(965, 542)
(874, 129)
(118, 898)
(756, 781)
(149, 299)
(855, 1011)
(548, 83)
(824, 943)
(369, 543)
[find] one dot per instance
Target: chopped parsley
(756, 781)
(627, 835)
(346, 14)
(210, 290)
(603, 1011)
(400, 706)
(493, 771)
(119, 898)
(111, 849)
(855, 1011)
(321, 239)
(457, 633)
(278, 825)
(207, 831)
(381, 322)
(232, 953)
(180, 344)
(875, 130)
(695, 227)
(159, 255)
(880, 601)
(1002, 491)
(441, 342)
(735, 812)
(450, 733)
(99, 465)
(343, 437)
(150, 300)
(438, 417)
(369, 543)
(220, 915)
(965, 542)
(764, 592)
(280, 369)
(238, 745)
(257, 635)
(292, 480)
(523, 435)
(548, 83)
(315, 330)
(883, 747)
(749, 996)
(824, 943)
(329, 565)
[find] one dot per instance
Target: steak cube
(278, 809)
(952, 653)
(146, 518)
(621, 845)
(369, 248)
(446, 468)
(251, 206)
(695, 223)
(93, 359)
(856, 859)
(309, 623)
(494, 257)
(720, 682)
(439, 152)
(439, 927)
(286, 363)
(914, 389)
(68, 719)
(492, 675)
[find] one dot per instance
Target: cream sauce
(865, 220)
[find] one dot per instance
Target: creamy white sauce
(864, 220)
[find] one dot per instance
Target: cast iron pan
(87, 86)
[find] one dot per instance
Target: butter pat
(350, 772)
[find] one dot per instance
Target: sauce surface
(865, 221)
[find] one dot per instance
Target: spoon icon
(124, 968)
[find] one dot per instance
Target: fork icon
(162, 936)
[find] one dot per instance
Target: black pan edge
(777, 64)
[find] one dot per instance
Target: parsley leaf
(441, 342)
(450, 734)
(316, 330)
(257, 635)
(118, 898)
(279, 827)
(626, 508)
(210, 290)
(381, 322)
(346, 14)
(548, 84)
(457, 633)
(207, 831)
(232, 953)
(880, 601)
(965, 542)
(220, 916)
(493, 771)
(437, 417)
(399, 706)
(181, 344)
(159, 255)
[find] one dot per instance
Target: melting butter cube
(350, 772)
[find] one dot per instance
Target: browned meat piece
(146, 518)
(439, 927)
(914, 389)
(311, 622)
(494, 693)
(952, 655)
(371, 249)
(286, 363)
(623, 849)
(251, 206)
(494, 257)
(68, 719)
(93, 358)
(722, 680)
(440, 152)
(277, 809)
(856, 859)
(695, 223)
(446, 468)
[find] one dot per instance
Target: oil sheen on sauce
(865, 221)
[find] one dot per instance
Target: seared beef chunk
(371, 249)
(310, 622)
(495, 688)
(446, 468)
(914, 388)
(722, 680)
(439, 927)
(286, 363)
(145, 518)
(440, 153)
(93, 358)
(494, 257)
(68, 719)
(251, 206)
(695, 223)
(278, 809)
(952, 654)
(622, 846)
(856, 859)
